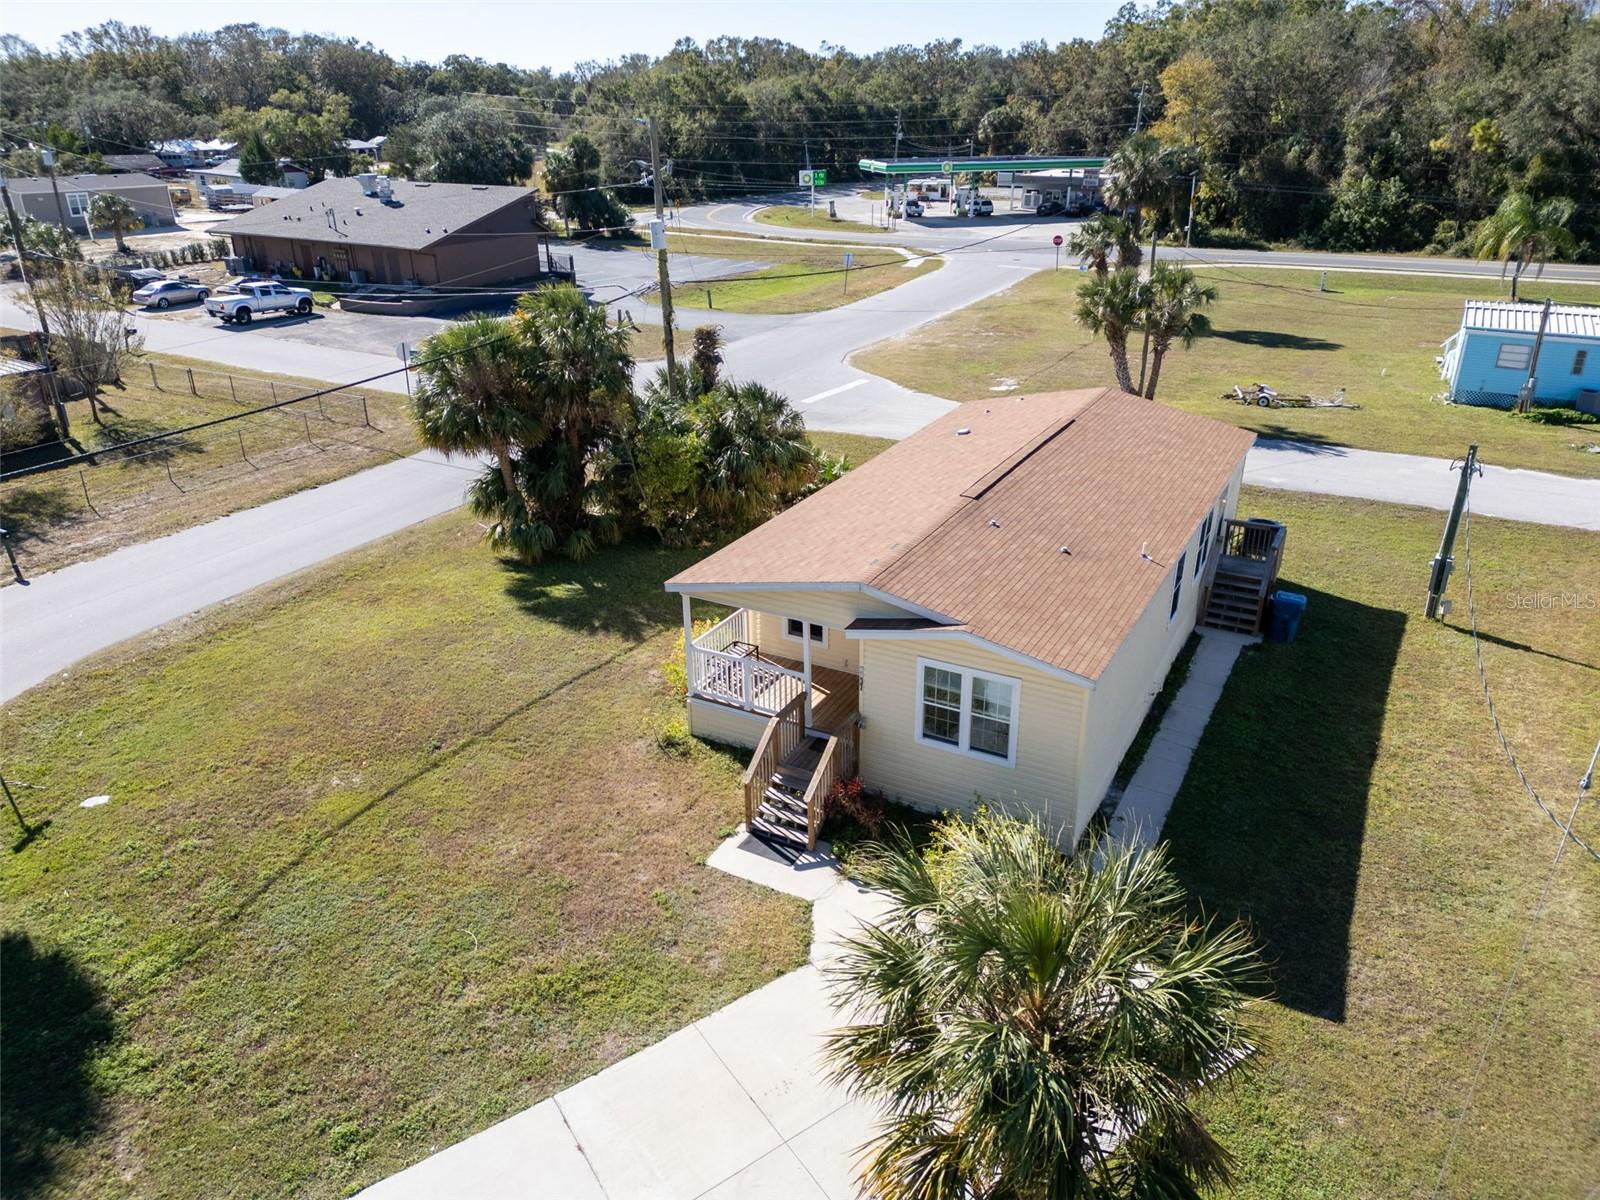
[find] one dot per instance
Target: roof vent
(1066, 550)
(963, 431)
(358, 210)
(993, 524)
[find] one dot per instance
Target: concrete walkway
(1143, 809)
(735, 1105)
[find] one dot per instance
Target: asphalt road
(59, 618)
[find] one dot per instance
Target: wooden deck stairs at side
(781, 811)
(1250, 553)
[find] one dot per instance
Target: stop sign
(1056, 239)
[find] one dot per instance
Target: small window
(1514, 357)
(966, 710)
(1177, 587)
(793, 628)
(78, 203)
(1579, 361)
(1205, 544)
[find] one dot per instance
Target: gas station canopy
(953, 165)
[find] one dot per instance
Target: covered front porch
(728, 664)
(800, 717)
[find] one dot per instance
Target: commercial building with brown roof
(1000, 595)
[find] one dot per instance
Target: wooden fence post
(193, 391)
(154, 382)
(233, 391)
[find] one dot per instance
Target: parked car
(913, 207)
(254, 298)
(1076, 209)
(164, 293)
(1050, 208)
(982, 206)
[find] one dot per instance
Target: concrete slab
(669, 1123)
(831, 1149)
(809, 875)
(841, 914)
(1143, 809)
(777, 1176)
(772, 1042)
(531, 1156)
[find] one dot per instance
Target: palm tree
(754, 455)
(1110, 306)
(580, 370)
(1139, 177)
(1173, 300)
(1102, 240)
(1524, 230)
(473, 397)
(1036, 1027)
(110, 211)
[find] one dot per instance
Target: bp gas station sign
(813, 179)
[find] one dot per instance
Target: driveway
(735, 1105)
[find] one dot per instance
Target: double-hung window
(1580, 359)
(1177, 587)
(78, 203)
(966, 710)
(1205, 543)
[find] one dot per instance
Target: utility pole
(1444, 562)
(1138, 116)
(38, 309)
(661, 262)
(1188, 230)
(48, 157)
(1144, 350)
(1525, 396)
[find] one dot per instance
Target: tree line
(1391, 125)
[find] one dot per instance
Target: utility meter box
(658, 234)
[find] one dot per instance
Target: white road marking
(843, 387)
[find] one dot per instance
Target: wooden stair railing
(783, 733)
(837, 762)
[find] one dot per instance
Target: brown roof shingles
(971, 525)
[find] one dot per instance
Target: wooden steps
(1237, 601)
(781, 814)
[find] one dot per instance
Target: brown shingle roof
(966, 519)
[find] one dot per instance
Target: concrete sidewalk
(735, 1105)
(1143, 809)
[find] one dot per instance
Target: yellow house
(983, 612)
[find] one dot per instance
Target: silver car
(164, 293)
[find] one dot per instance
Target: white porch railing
(739, 676)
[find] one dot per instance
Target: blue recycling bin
(1287, 609)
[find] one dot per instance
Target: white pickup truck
(254, 298)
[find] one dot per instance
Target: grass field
(1350, 801)
(802, 216)
(1374, 335)
(391, 852)
(802, 278)
(62, 516)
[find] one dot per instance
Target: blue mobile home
(1487, 360)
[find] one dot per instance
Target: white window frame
(1518, 349)
(964, 745)
(78, 204)
(1580, 360)
(809, 627)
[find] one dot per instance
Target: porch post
(805, 661)
(688, 645)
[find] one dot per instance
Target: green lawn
(1349, 800)
(856, 447)
(802, 278)
(802, 216)
(63, 516)
(391, 853)
(1374, 335)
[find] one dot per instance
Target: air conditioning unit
(369, 183)
(385, 188)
